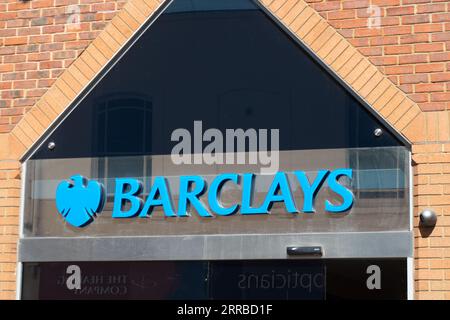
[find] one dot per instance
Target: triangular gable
(372, 87)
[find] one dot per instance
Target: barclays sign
(80, 201)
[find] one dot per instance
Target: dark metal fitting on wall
(428, 218)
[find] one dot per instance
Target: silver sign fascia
(380, 184)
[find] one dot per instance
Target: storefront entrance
(214, 143)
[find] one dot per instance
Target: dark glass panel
(330, 279)
(223, 62)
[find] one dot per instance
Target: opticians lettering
(80, 200)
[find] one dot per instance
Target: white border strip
(410, 260)
(23, 176)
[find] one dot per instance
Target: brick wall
(9, 221)
(432, 190)
(410, 47)
(38, 40)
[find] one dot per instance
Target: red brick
(50, 64)
(11, 112)
(347, 33)
(356, 4)
(400, 11)
(36, 93)
(27, 48)
(23, 102)
(58, 55)
(42, 21)
(18, 6)
(429, 8)
(384, 61)
(398, 49)
(359, 42)
(53, 12)
(40, 39)
(45, 83)
(416, 19)
(406, 88)
(445, 56)
(53, 29)
(56, 73)
(429, 47)
(419, 97)
(41, 56)
(65, 37)
(385, 40)
(6, 68)
(4, 128)
(397, 30)
(8, 33)
(28, 31)
(15, 58)
(414, 1)
(38, 74)
(437, 97)
(88, 35)
(111, 6)
(24, 84)
(13, 76)
(28, 14)
(399, 69)
(340, 15)
(51, 46)
(441, 17)
(444, 36)
(350, 24)
(419, 28)
(440, 77)
(42, 3)
(7, 15)
(365, 13)
(431, 87)
(7, 50)
(5, 85)
(371, 51)
(74, 45)
(414, 38)
(12, 94)
(14, 41)
(429, 67)
(26, 66)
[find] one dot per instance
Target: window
(118, 123)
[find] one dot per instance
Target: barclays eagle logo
(79, 200)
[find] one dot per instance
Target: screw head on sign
(378, 132)
(51, 145)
